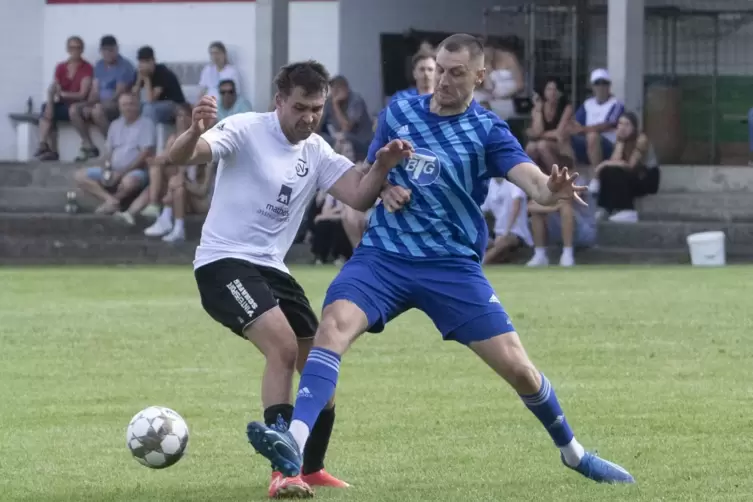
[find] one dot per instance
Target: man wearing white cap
(593, 131)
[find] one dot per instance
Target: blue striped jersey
(448, 175)
(411, 92)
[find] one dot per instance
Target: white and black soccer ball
(157, 437)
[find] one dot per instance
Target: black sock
(278, 416)
(316, 446)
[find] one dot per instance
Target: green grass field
(652, 365)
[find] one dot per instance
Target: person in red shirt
(73, 80)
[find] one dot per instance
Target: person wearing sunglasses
(230, 103)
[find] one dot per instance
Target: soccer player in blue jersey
(427, 255)
(423, 67)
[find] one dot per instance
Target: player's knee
(336, 330)
(593, 138)
(519, 370)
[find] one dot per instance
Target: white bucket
(707, 249)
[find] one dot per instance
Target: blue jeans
(161, 112)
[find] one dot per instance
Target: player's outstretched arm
(189, 148)
(360, 188)
(546, 190)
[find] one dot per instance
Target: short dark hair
(309, 75)
(420, 56)
(75, 38)
(145, 53)
(460, 41)
(339, 80)
(108, 41)
(219, 46)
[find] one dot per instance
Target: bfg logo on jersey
(423, 167)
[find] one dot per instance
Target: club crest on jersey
(423, 167)
(301, 168)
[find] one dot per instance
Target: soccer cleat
(323, 478)
(280, 448)
(281, 487)
(600, 470)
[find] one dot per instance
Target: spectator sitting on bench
(113, 75)
(160, 171)
(72, 83)
(631, 172)
(159, 88)
(550, 119)
(218, 71)
(569, 223)
(592, 133)
(346, 116)
(188, 192)
(508, 205)
(130, 142)
(229, 102)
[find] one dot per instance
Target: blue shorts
(453, 292)
(580, 147)
(95, 174)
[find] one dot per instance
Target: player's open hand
(393, 152)
(395, 197)
(204, 114)
(562, 185)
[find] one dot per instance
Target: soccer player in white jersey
(270, 167)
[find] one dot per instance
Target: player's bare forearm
(360, 187)
(533, 182)
(189, 149)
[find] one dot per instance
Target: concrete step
(641, 235)
(80, 226)
(706, 179)
(697, 206)
(110, 251)
(677, 178)
(38, 174)
(671, 235)
(32, 199)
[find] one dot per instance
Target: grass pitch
(652, 365)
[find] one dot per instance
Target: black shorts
(236, 292)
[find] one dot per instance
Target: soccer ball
(157, 437)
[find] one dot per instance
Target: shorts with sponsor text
(236, 292)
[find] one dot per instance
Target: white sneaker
(175, 235)
(151, 211)
(158, 229)
(126, 218)
(538, 261)
(567, 260)
(625, 216)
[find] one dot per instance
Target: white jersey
(263, 186)
(499, 201)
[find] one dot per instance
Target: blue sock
(317, 385)
(547, 409)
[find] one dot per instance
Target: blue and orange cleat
(600, 470)
(323, 478)
(278, 447)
